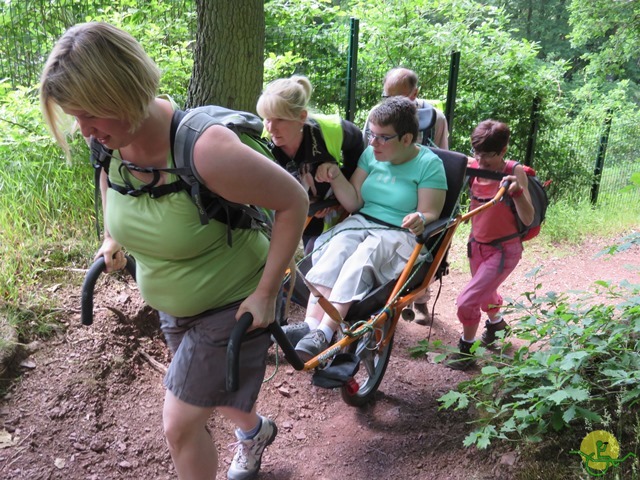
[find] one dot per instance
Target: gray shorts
(197, 373)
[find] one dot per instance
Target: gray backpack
(186, 128)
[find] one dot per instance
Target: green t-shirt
(183, 267)
(390, 192)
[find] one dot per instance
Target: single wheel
(373, 363)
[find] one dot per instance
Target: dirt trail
(90, 405)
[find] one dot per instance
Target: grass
(568, 224)
(46, 215)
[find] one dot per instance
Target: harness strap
(379, 222)
(97, 197)
(481, 200)
(100, 158)
(153, 192)
(497, 244)
(191, 136)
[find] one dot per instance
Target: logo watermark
(600, 451)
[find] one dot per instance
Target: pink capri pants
(481, 293)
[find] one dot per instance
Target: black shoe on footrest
(341, 369)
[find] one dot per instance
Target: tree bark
(229, 54)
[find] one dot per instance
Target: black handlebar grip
(233, 351)
(289, 352)
(89, 284)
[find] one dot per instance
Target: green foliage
(165, 34)
(574, 363)
(546, 22)
(311, 38)
(44, 199)
(574, 220)
(164, 28)
(624, 244)
(613, 26)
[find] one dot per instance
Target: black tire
(373, 364)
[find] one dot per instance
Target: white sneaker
(248, 452)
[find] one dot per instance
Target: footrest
(340, 371)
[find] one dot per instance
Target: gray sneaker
(296, 331)
(311, 345)
(248, 456)
(421, 313)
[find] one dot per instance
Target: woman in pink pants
(494, 247)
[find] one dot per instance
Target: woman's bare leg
(192, 449)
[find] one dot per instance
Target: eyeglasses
(380, 138)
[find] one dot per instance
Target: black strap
(482, 173)
(481, 200)
(379, 222)
(176, 118)
(497, 244)
(100, 158)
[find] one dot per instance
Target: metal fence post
(602, 152)
(452, 89)
(533, 132)
(352, 69)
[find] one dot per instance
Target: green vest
(331, 128)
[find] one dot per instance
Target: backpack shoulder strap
(192, 123)
(100, 158)
(473, 171)
(186, 128)
(426, 122)
(510, 167)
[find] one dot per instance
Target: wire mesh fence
(621, 161)
(29, 29)
(321, 57)
(566, 155)
(569, 157)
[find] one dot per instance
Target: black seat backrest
(455, 167)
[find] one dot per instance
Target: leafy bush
(579, 363)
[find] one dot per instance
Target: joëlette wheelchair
(357, 362)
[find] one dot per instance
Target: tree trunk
(229, 54)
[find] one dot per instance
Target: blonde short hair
(285, 98)
(100, 69)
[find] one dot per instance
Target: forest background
(576, 60)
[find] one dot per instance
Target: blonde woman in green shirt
(102, 77)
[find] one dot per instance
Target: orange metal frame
(395, 305)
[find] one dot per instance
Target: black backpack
(426, 122)
(186, 128)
